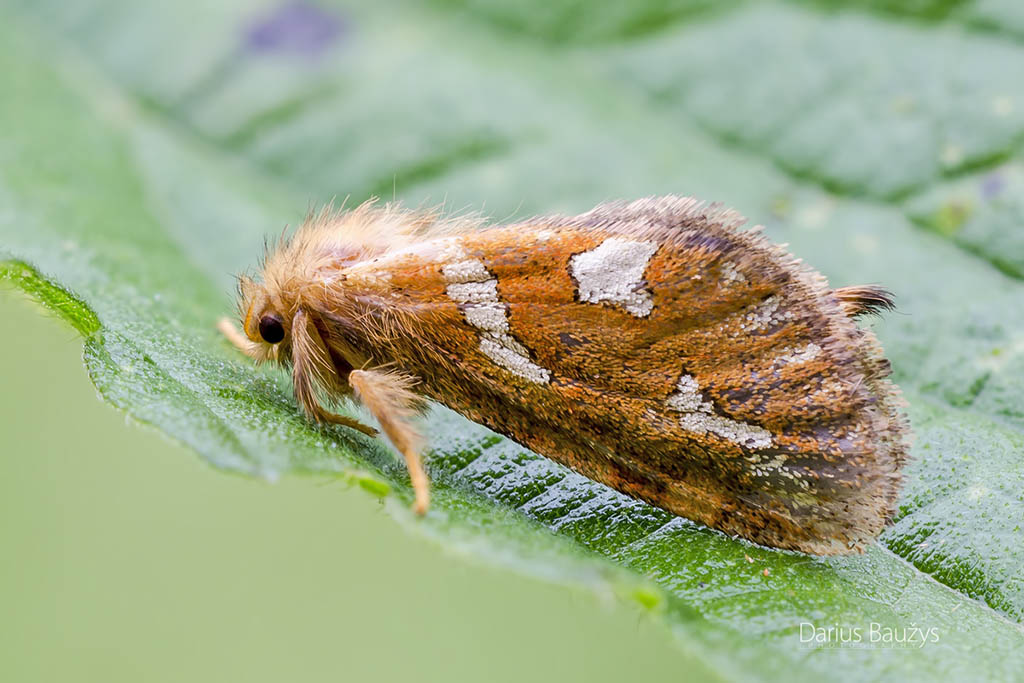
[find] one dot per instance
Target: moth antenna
(389, 397)
(865, 300)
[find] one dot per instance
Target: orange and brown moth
(651, 346)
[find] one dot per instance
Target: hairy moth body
(651, 346)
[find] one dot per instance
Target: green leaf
(149, 148)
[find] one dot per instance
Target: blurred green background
(127, 559)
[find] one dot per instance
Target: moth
(650, 345)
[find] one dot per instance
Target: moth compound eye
(271, 328)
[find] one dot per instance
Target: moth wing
(657, 348)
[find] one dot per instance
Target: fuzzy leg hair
(389, 397)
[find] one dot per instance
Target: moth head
(264, 320)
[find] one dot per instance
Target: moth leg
(235, 336)
(345, 421)
(387, 395)
(310, 365)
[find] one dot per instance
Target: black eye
(271, 328)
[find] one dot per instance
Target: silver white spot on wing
(803, 355)
(763, 315)
(473, 292)
(698, 416)
(613, 272)
(509, 354)
(731, 274)
(471, 284)
(465, 271)
(488, 316)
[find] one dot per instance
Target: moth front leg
(311, 367)
(237, 339)
(389, 397)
